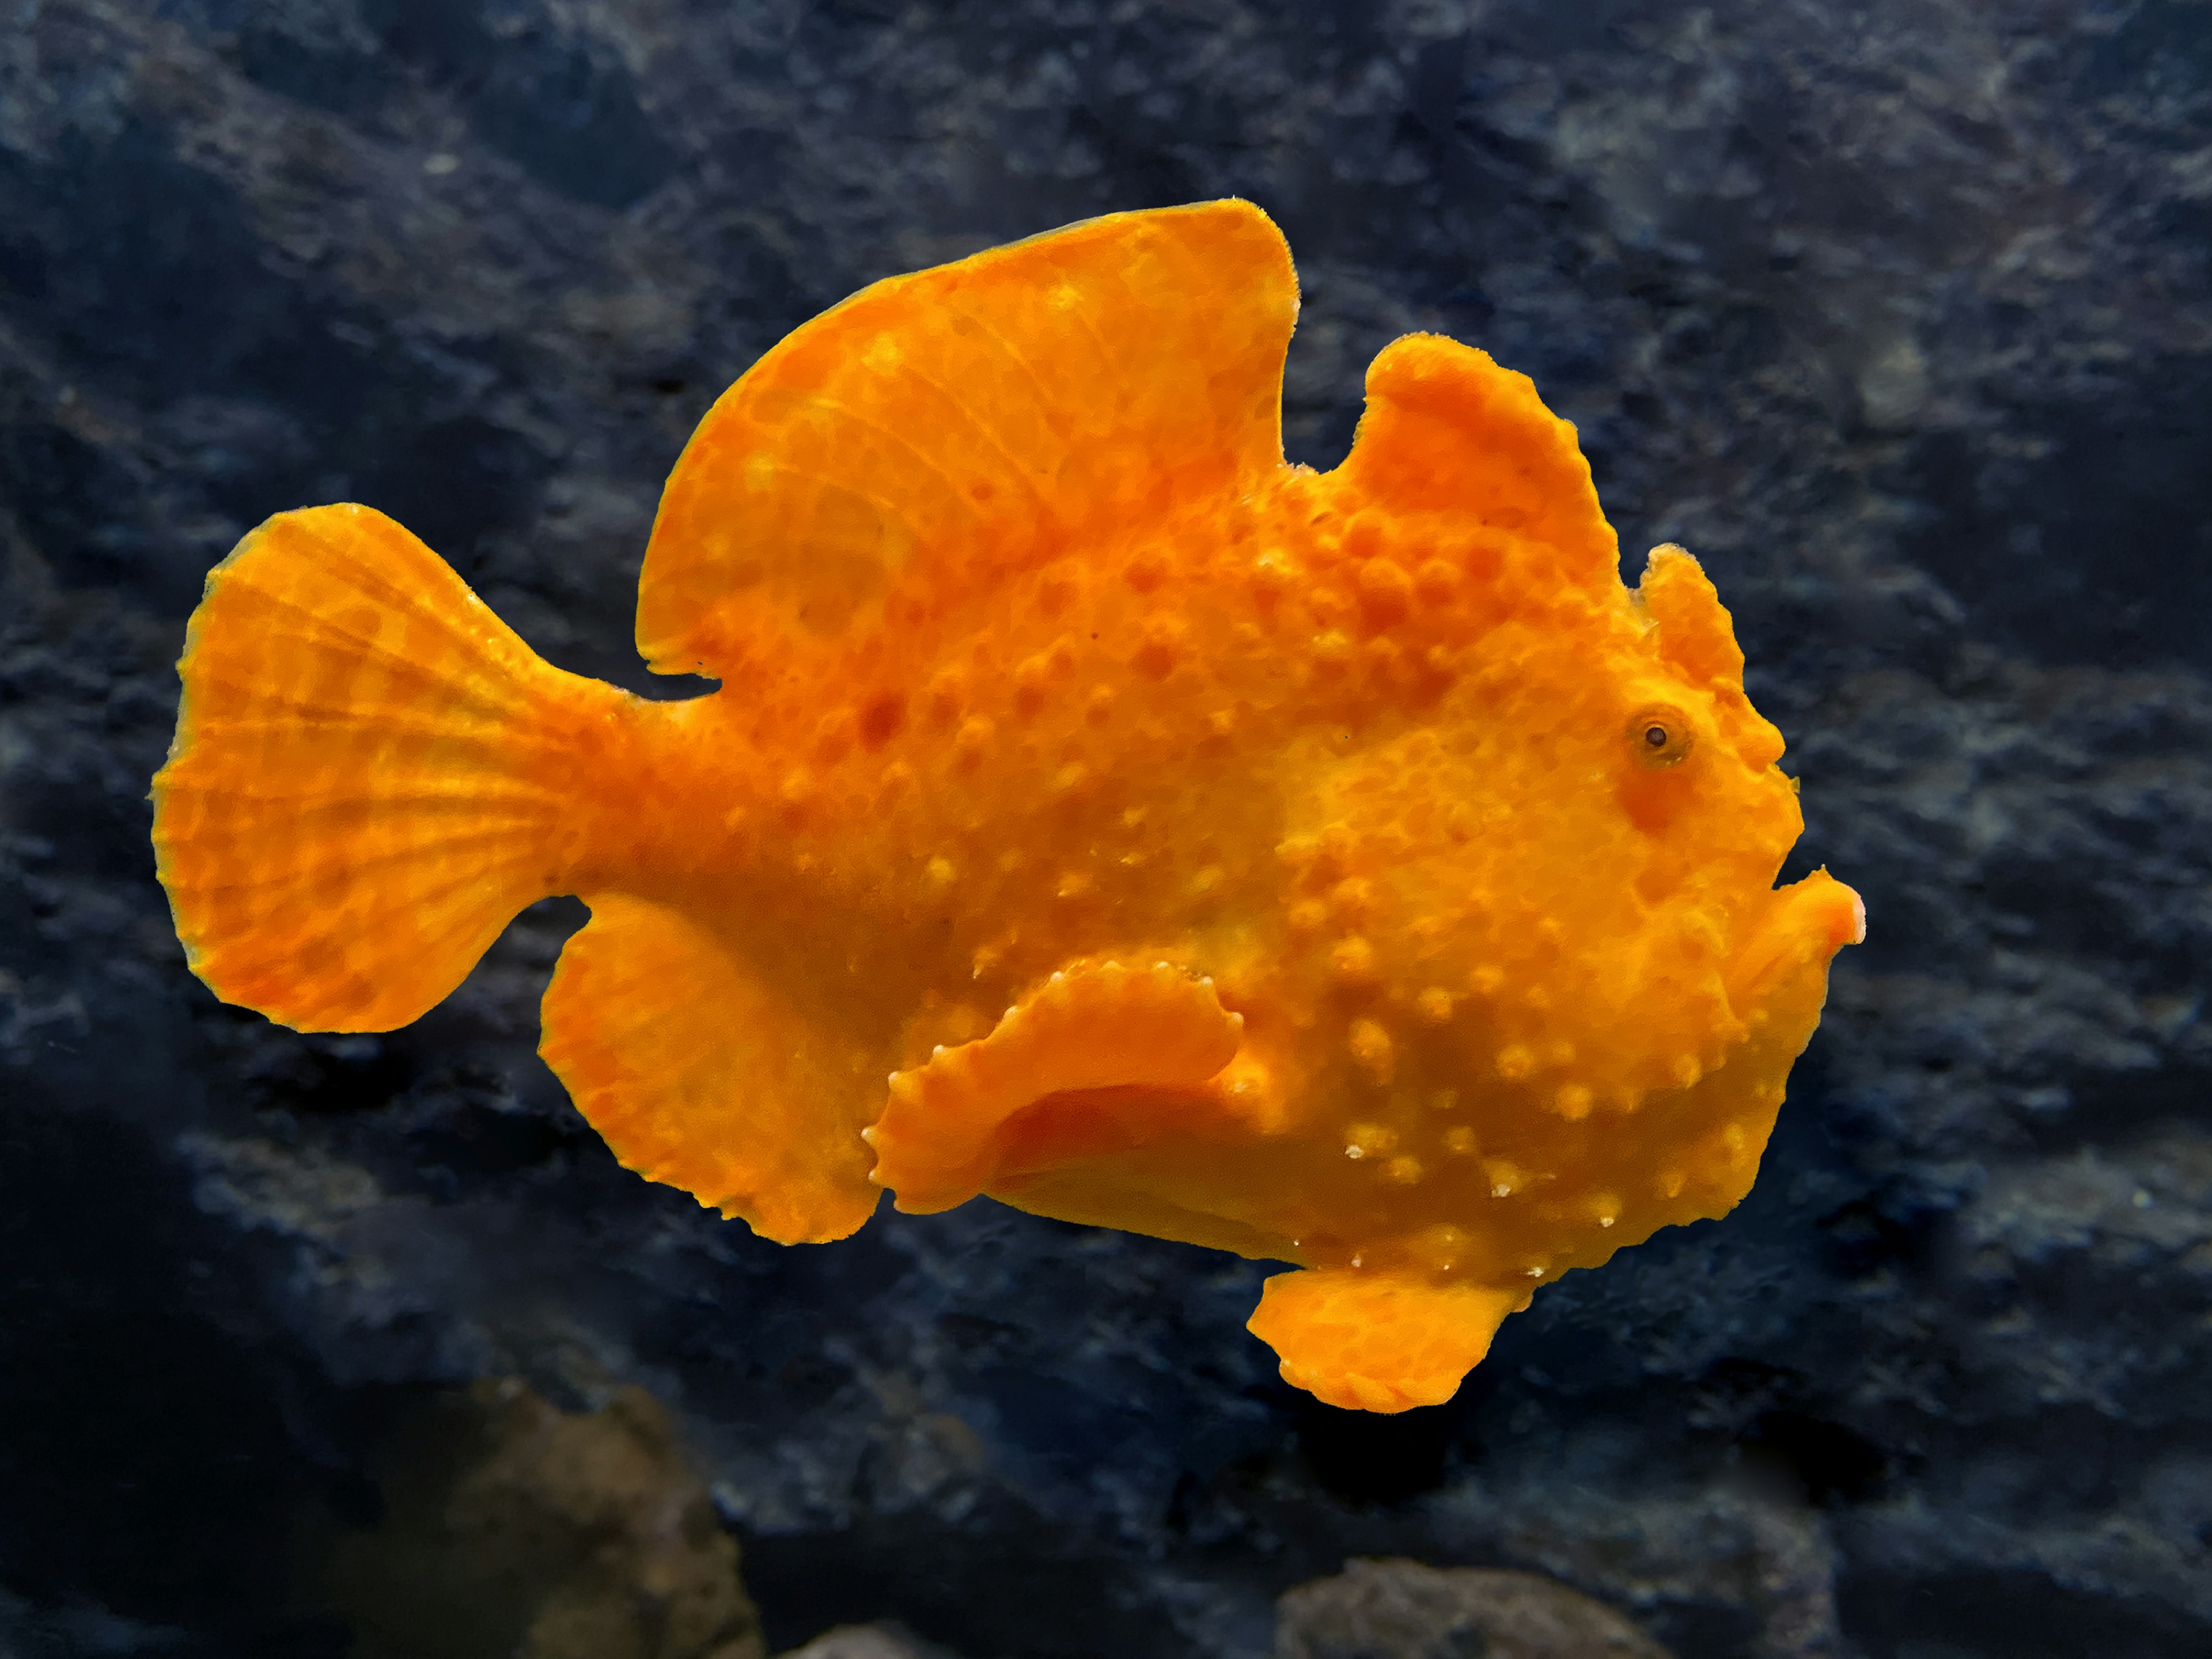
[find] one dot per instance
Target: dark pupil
(1655, 737)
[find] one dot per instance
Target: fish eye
(1660, 736)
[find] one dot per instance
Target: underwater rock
(877, 1640)
(1751, 1570)
(1393, 1609)
(511, 1527)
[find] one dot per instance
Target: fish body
(1094, 812)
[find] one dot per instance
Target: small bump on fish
(1372, 1048)
(1351, 899)
(1163, 645)
(1370, 1138)
(1386, 593)
(1352, 961)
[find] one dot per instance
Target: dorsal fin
(1447, 430)
(970, 421)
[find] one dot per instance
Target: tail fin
(367, 781)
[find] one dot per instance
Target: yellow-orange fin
(699, 1074)
(1447, 430)
(1377, 1342)
(1093, 1025)
(958, 423)
(369, 776)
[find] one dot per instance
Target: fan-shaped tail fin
(371, 774)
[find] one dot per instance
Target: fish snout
(1803, 926)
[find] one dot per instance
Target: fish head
(1571, 860)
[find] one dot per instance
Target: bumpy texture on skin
(1341, 869)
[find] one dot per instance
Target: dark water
(1896, 313)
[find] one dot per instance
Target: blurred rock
(1404, 1610)
(1746, 1566)
(880, 1641)
(512, 1528)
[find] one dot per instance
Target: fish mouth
(1802, 927)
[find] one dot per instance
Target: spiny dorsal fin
(963, 422)
(1447, 430)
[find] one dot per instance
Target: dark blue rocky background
(1896, 312)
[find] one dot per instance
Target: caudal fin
(371, 774)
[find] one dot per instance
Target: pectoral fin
(1372, 1341)
(700, 1073)
(1094, 1025)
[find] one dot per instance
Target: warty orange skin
(1095, 812)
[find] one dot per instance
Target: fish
(1093, 811)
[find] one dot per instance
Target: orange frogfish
(1095, 812)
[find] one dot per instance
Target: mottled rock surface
(1404, 1610)
(510, 1527)
(879, 1640)
(1896, 312)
